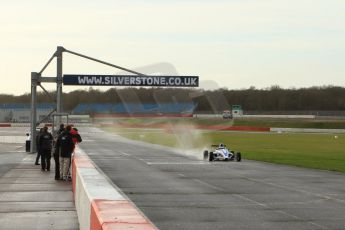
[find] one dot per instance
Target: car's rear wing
(215, 146)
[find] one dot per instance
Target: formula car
(221, 153)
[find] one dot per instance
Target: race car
(221, 153)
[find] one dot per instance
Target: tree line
(251, 99)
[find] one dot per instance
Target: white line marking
(27, 159)
(209, 185)
(176, 163)
(123, 153)
(290, 188)
(280, 211)
(259, 203)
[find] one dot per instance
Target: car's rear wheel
(238, 156)
(211, 157)
(205, 155)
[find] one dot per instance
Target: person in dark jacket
(45, 148)
(57, 153)
(61, 129)
(65, 146)
(38, 146)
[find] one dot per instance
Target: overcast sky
(235, 43)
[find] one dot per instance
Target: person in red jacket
(75, 136)
(76, 139)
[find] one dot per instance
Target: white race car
(221, 153)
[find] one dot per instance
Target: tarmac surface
(30, 198)
(178, 191)
(175, 189)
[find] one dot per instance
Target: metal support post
(58, 53)
(34, 83)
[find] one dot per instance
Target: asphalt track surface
(176, 191)
(11, 154)
(181, 192)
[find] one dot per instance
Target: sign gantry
(135, 79)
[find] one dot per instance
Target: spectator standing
(76, 139)
(65, 146)
(57, 153)
(76, 136)
(38, 146)
(61, 129)
(45, 148)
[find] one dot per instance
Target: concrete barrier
(98, 203)
(280, 116)
(305, 130)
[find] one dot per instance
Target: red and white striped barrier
(99, 205)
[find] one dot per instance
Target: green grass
(320, 151)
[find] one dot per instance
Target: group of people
(62, 146)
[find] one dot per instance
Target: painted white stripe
(123, 153)
(28, 158)
(176, 163)
(209, 185)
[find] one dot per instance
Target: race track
(180, 192)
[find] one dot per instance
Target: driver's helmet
(221, 146)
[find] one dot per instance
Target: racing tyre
(238, 156)
(211, 156)
(205, 155)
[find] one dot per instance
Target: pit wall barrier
(302, 130)
(98, 203)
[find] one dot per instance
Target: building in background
(236, 110)
(21, 112)
(135, 109)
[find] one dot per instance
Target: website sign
(131, 80)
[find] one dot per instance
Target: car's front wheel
(238, 156)
(211, 157)
(205, 155)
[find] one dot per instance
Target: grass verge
(319, 151)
